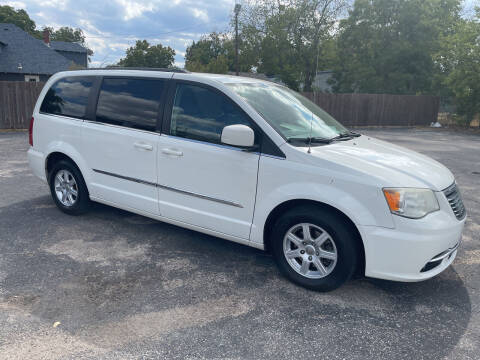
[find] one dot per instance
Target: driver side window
(201, 114)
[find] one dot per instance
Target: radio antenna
(310, 137)
(311, 119)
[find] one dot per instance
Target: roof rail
(176, 70)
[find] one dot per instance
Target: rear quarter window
(68, 97)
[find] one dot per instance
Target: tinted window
(130, 102)
(68, 97)
(201, 114)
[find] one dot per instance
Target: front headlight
(410, 202)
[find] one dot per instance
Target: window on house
(201, 114)
(32, 78)
(68, 97)
(130, 102)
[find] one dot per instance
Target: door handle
(143, 146)
(172, 152)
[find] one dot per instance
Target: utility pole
(237, 11)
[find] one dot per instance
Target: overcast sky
(111, 26)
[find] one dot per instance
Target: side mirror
(238, 135)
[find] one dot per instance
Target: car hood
(395, 166)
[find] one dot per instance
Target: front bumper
(414, 250)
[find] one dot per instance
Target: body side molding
(226, 202)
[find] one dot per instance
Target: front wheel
(315, 248)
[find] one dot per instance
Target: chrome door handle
(143, 146)
(172, 152)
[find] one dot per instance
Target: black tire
(340, 231)
(82, 201)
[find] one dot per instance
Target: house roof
(67, 46)
(32, 54)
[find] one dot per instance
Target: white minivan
(249, 161)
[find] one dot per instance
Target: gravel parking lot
(114, 285)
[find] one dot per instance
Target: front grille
(455, 200)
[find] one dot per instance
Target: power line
(145, 36)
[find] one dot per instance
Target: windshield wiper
(309, 140)
(320, 140)
(346, 136)
(353, 134)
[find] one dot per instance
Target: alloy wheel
(66, 188)
(310, 250)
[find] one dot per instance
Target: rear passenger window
(68, 97)
(201, 114)
(132, 103)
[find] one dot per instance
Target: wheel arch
(56, 156)
(290, 204)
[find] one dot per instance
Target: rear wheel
(314, 248)
(68, 188)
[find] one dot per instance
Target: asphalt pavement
(114, 285)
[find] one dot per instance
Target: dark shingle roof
(34, 56)
(67, 46)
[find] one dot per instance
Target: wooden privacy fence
(17, 100)
(379, 109)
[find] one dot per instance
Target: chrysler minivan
(249, 161)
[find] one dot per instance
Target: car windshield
(289, 113)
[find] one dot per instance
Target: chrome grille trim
(438, 259)
(455, 200)
(445, 253)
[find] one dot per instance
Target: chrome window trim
(207, 143)
(121, 127)
(62, 116)
(222, 146)
(201, 196)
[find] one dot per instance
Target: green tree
(291, 39)
(217, 65)
(276, 49)
(459, 65)
(67, 34)
(388, 46)
(209, 54)
(215, 53)
(18, 17)
(145, 55)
